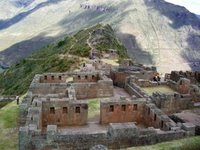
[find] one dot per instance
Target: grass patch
(2, 104)
(8, 126)
(9, 115)
(192, 143)
(94, 108)
(160, 88)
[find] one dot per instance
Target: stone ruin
(54, 113)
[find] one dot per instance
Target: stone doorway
(94, 110)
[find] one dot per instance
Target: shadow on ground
(134, 50)
(24, 48)
(179, 15)
(10, 22)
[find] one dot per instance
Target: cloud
(192, 5)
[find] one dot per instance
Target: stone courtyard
(134, 107)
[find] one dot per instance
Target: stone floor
(91, 127)
(159, 88)
(120, 92)
(192, 116)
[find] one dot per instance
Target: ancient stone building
(55, 112)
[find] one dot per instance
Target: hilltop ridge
(61, 56)
(154, 31)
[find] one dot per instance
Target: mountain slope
(62, 56)
(153, 31)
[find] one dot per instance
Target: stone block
(51, 133)
(23, 138)
(123, 130)
(189, 127)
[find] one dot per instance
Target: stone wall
(119, 75)
(118, 136)
(86, 77)
(172, 103)
(156, 118)
(133, 89)
(38, 88)
(119, 78)
(63, 112)
(101, 88)
(53, 78)
(194, 77)
(123, 110)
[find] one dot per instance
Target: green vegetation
(56, 57)
(160, 88)
(2, 104)
(104, 39)
(183, 144)
(1, 70)
(94, 107)
(8, 124)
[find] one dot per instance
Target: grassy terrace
(8, 127)
(192, 143)
(9, 131)
(94, 108)
(160, 88)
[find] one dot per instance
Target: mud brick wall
(116, 111)
(63, 113)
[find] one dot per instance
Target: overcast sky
(191, 5)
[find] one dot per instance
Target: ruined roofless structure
(55, 112)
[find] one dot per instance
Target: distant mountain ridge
(153, 31)
(23, 3)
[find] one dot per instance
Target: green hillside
(56, 57)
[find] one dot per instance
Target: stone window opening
(52, 77)
(148, 111)
(45, 77)
(135, 107)
(155, 117)
(65, 110)
(52, 110)
(111, 108)
(162, 123)
(123, 107)
(86, 77)
(35, 104)
(78, 110)
(60, 77)
(79, 77)
(93, 77)
(31, 118)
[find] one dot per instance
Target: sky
(192, 5)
